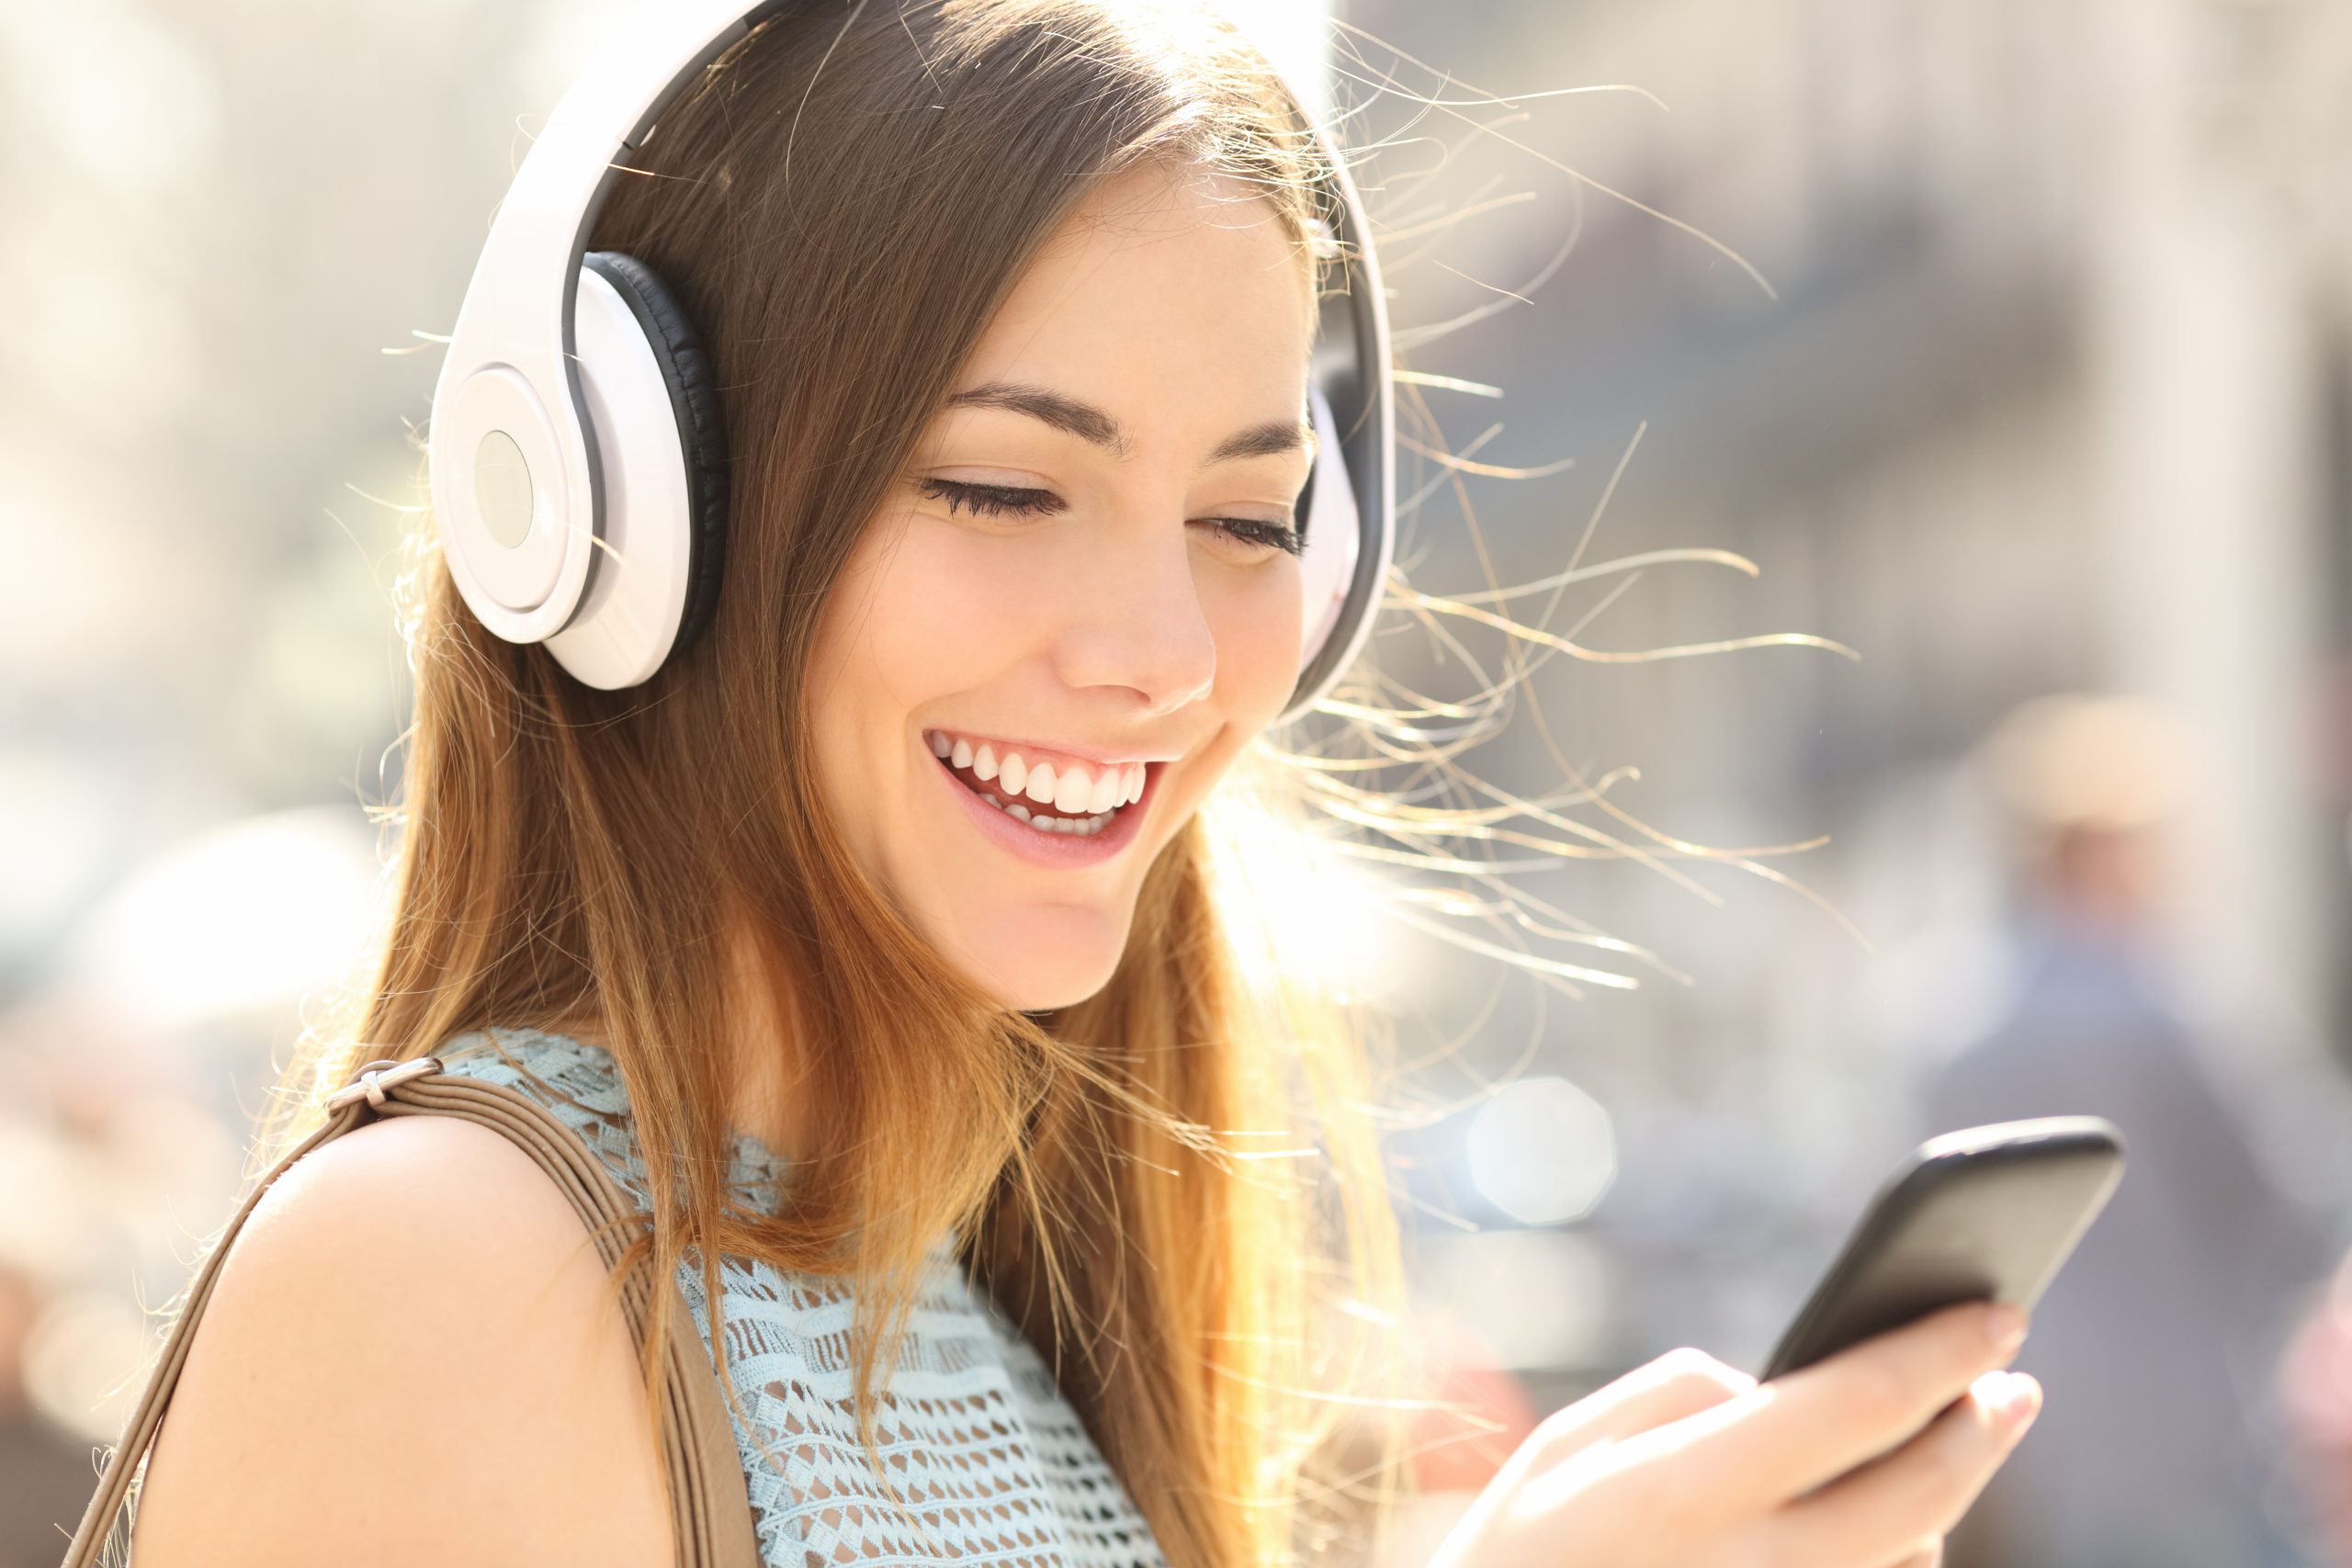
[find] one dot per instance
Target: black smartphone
(1984, 1214)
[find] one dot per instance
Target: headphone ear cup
(1333, 537)
(693, 384)
(661, 449)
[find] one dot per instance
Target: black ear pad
(702, 427)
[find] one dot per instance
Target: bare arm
(412, 1356)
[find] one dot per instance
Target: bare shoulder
(411, 1356)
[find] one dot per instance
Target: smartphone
(1984, 1214)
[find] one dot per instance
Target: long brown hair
(841, 202)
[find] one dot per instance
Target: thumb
(1677, 1385)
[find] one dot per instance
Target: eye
(992, 500)
(1254, 535)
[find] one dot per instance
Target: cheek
(1256, 625)
(918, 613)
(921, 614)
(893, 635)
(1255, 622)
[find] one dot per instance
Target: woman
(941, 1116)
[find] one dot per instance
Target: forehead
(1160, 279)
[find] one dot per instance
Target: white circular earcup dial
(503, 490)
(502, 506)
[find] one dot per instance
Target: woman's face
(1081, 600)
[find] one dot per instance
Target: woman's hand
(1864, 1460)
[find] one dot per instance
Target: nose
(1139, 625)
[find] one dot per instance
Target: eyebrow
(1066, 414)
(1092, 426)
(1271, 439)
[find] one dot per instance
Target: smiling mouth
(1073, 798)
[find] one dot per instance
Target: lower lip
(1062, 852)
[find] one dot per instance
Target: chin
(1053, 960)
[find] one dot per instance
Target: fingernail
(2005, 1326)
(2019, 1401)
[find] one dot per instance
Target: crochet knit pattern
(990, 1464)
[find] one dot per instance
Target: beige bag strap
(710, 1513)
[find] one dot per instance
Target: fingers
(1679, 1383)
(1805, 1431)
(1882, 1512)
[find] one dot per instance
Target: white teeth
(1083, 800)
(1077, 827)
(1105, 793)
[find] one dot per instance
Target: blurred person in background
(2149, 1457)
(2315, 1391)
(44, 1471)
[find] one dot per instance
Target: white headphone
(578, 455)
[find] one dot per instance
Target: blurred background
(2011, 341)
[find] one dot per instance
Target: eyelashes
(993, 500)
(1279, 535)
(1016, 501)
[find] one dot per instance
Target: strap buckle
(373, 1079)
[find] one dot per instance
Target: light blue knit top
(992, 1463)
